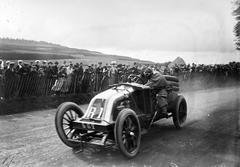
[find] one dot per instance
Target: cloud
(124, 27)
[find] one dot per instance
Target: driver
(141, 78)
(157, 82)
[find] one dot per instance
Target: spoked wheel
(128, 133)
(67, 113)
(180, 112)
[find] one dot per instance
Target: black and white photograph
(120, 83)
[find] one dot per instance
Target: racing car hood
(101, 105)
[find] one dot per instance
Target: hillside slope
(13, 49)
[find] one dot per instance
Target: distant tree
(236, 30)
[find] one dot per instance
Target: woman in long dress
(61, 82)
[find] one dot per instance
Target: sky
(199, 31)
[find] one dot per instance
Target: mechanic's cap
(148, 71)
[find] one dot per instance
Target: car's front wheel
(67, 113)
(127, 133)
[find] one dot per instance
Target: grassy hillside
(14, 49)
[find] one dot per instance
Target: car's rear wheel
(127, 133)
(180, 112)
(67, 113)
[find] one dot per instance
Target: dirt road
(210, 139)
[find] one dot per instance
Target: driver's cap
(148, 71)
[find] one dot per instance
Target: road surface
(211, 138)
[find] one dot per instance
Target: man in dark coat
(10, 81)
(159, 95)
(87, 80)
(98, 76)
(50, 78)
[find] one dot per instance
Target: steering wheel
(136, 79)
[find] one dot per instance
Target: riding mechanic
(157, 82)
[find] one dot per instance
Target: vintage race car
(117, 117)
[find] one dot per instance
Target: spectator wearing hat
(55, 69)
(41, 71)
(87, 79)
(69, 71)
(33, 81)
(98, 76)
(126, 72)
(1, 77)
(19, 65)
(113, 73)
(78, 78)
(75, 77)
(60, 84)
(11, 71)
(24, 80)
(37, 64)
(64, 64)
(1, 68)
(7, 66)
(119, 77)
(50, 78)
(10, 81)
(30, 64)
(69, 68)
(134, 69)
(24, 70)
(44, 64)
(80, 69)
(105, 78)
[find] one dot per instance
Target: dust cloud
(206, 95)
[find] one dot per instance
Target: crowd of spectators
(41, 78)
(209, 75)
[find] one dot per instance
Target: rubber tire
(171, 78)
(174, 83)
(59, 118)
(119, 128)
(179, 102)
(175, 89)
